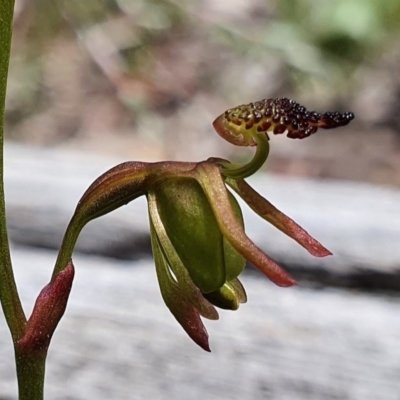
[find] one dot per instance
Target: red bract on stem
(48, 311)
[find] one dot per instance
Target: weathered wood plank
(118, 341)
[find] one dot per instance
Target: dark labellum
(283, 115)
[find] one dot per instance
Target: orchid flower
(197, 231)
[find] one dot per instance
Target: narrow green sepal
(175, 300)
(234, 261)
(209, 176)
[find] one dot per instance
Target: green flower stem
(243, 171)
(30, 365)
(9, 298)
(68, 244)
(30, 372)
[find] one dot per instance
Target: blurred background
(145, 78)
(97, 82)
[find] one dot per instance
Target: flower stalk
(10, 301)
(30, 365)
(235, 172)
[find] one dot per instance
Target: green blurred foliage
(311, 33)
(346, 29)
(318, 38)
(340, 34)
(319, 46)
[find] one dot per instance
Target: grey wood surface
(359, 223)
(118, 341)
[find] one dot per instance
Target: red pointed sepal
(270, 213)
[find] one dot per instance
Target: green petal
(193, 231)
(225, 297)
(191, 291)
(239, 289)
(229, 296)
(174, 299)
